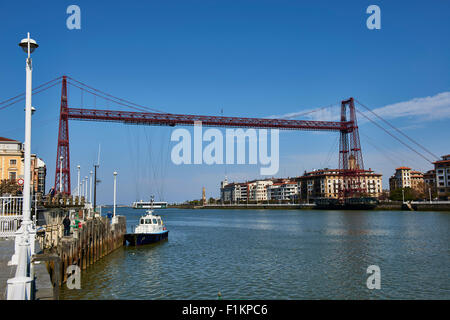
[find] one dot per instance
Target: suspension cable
(21, 96)
(361, 113)
(126, 102)
(398, 130)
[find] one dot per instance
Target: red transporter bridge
(351, 164)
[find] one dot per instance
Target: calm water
(277, 254)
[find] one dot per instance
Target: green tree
(10, 187)
(409, 193)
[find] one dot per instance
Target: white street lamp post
(19, 287)
(85, 188)
(429, 192)
(60, 173)
(78, 188)
(90, 186)
(115, 189)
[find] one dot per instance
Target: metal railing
(11, 205)
(10, 215)
(430, 202)
(9, 225)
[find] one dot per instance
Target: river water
(278, 254)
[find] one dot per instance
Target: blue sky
(249, 58)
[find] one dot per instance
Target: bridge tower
(63, 144)
(351, 165)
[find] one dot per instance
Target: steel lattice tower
(351, 165)
(63, 144)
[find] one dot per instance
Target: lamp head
(115, 173)
(27, 41)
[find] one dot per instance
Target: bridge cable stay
(125, 102)
(398, 130)
(331, 152)
(105, 98)
(387, 154)
(21, 97)
(393, 136)
(301, 114)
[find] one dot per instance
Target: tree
(10, 187)
(397, 194)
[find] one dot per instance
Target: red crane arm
(166, 119)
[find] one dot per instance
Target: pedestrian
(66, 223)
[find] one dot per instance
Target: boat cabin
(150, 223)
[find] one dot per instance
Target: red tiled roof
(442, 161)
(403, 168)
(6, 139)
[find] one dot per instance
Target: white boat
(148, 205)
(149, 230)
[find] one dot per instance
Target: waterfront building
(12, 164)
(285, 190)
(40, 175)
(400, 179)
(405, 177)
(255, 190)
(429, 178)
(258, 190)
(233, 192)
(442, 169)
(325, 183)
(417, 181)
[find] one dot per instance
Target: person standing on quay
(66, 223)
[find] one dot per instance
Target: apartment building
(442, 169)
(282, 191)
(12, 164)
(429, 178)
(233, 192)
(255, 190)
(417, 181)
(326, 183)
(405, 177)
(400, 179)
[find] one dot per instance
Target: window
(148, 221)
(12, 176)
(142, 221)
(12, 162)
(154, 221)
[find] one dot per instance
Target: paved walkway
(6, 272)
(44, 289)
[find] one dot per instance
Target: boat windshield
(148, 221)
